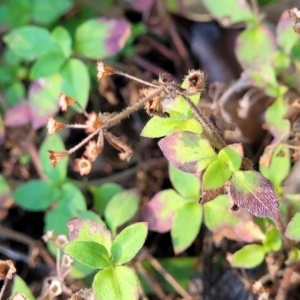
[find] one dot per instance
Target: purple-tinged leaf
(142, 5)
(186, 225)
(187, 151)
(102, 37)
(42, 97)
(159, 212)
(87, 230)
(293, 228)
(224, 223)
(255, 46)
(19, 115)
(252, 191)
(286, 37)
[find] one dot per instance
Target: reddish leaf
(159, 212)
(18, 116)
(252, 191)
(187, 151)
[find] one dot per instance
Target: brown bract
(53, 126)
(104, 70)
(57, 156)
(64, 101)
(92, 150)
(7, 269)
(93, 122)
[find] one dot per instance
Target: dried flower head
(92, 150)
(104, 70)
(7, 269)
(48, 236)
(55, 288)
(83, 166)
(61, 241)
(154, 106)
(64, 101)
(57, 156)
(295, 14)
(196, 81)
(66, 261)
(53, 125)
(126, 151)
(93, 122)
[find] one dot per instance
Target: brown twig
(284, 284)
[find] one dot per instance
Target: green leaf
(117, 283)
(47, 11)
(62, 39)
(76, 81)
(103, 194)
(35, 195)
(18, 13)
(293, 228)
(286, 37)
(255, 46)
(272, 241)
(20, 286)
(186, 225)
(128, 242)
(59, 173)
(88, 230)
(185, 184)
(294, 256)
(248, 257)
(232, 156)
(89, 253)
(121, 208)
(215, 175)
(47, 64)
(70, 204)
(281, 160)
(15, 93)
(158, 127)
(187, 151)
(274, 118)
(252, 191)
(29, 42)
(231, 11)
(100, 38)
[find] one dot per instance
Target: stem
(135, 78)
(131, 109)
(3, 288)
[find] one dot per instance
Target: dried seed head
(64, 101)
(104, 70)
(48, 236)
(154, 106)
(66, 261)
(196, 81)
(53, 125)
(83, 166)
(7, 269)
(92, 150)
(55, 288)
(57, 156)
(93, 122)
(61, 241)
